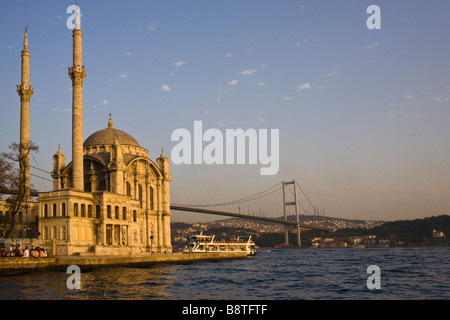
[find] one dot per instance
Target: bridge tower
(292, 203)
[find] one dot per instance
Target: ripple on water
(410, 273)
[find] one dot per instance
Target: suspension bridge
(271, 205)
(264, 206)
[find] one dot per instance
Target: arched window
(75, 233)
(116, 215)
(62, 231)
(89, 211)
(82, 233)
(124, 213)
(75, 209)
(140, 195)
(152, 199)
(128, 189)
(134, 216)
(90, 233)
(108, 212)
(97, 211)
(83, 210)
(54, 233)
(63, 210)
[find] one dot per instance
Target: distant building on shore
(438, 234)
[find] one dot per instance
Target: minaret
(164, 198)
(25, 92)
(77, 73)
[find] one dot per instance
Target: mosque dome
(108, 135)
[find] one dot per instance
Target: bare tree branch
(16, 180)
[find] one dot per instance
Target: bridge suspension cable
(306, 197)
(35, 175)
(41, 170)
(259, 195)
(255, 205)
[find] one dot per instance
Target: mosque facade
(111, 199)
(124, 207)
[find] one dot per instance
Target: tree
(16, 181)
(6, 171)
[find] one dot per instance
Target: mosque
(111, 199)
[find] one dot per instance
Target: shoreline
(19, 265)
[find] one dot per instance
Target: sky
(363, 114)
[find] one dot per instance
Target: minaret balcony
(25, 91)
(77, 74)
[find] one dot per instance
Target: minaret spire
(25, 92)
(77, 73)
(110, 123)
(25, 39)
(77, 18)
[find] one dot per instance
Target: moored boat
(206, 243)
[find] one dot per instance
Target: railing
(62, 248)
(52, 247)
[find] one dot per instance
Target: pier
(13, 265)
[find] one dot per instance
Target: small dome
(107, 136)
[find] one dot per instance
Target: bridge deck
(244, 216)
(215, 212)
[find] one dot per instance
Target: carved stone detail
(77, 74)
(25, 92)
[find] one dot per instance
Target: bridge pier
(286, 231)
(293, 203)
(299, 240)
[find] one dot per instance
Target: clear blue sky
(363, 114)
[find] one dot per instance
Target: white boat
(202, 243)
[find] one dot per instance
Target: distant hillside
(421, 227)
(409, 231)
(416, 232)
(335, 223)
(305, 217)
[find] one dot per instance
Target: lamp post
(151, 238)
(151, 244)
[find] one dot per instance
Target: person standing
(12, 248)
(19, 251)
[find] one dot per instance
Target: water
(416, 273)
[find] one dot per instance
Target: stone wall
(10, 266)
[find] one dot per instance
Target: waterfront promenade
(13, 265)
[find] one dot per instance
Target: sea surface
(273, 274)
